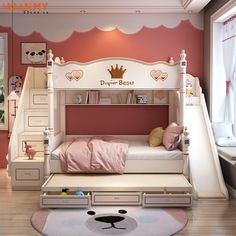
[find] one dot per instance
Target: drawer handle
(27, 173)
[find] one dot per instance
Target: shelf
(134, 104)
(25, 159)
(116, 97)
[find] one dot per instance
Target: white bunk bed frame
(147, 189)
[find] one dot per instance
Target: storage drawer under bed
(147, 190)
(167, 200)
(116, 198)
(71, 200)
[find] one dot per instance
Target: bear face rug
(130, 221)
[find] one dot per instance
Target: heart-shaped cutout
(155, 74)
(164, 76)
(69, 76)
(77, 74)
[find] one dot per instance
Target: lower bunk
(152, 176)
(147, 190)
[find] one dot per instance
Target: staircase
(31, 120)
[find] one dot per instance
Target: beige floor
(206, 217)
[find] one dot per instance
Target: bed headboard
(115, 73)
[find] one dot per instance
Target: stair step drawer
(116, 198)
(162, 200)
(71, 200)
(36, 141)
(36, 120)
(38, 99)
(27, 174)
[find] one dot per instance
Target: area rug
(130, 221)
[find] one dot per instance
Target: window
(223, 63)
(3, 82)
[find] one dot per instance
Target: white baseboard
(232, 191)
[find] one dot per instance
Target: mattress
(228, 152)
(140, 150)
(141, 159)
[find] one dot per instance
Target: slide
(205, 171)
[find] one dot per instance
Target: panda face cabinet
(111, 223)
(36, 56)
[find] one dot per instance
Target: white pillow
(221, 129)
(226, 141)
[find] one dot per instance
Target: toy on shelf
(79, 193)
(64, 191)
(29, 151)
(189, 92)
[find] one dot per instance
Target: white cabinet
(33, 118)
(27, 174)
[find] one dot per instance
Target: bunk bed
(152, 176)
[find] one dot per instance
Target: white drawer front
(68, 201)
(38, 99)
(36, 120)
(27, 174)
(116, 198)
(153, 200)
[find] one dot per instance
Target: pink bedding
(94, 155)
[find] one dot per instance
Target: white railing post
(46, 142)
(185, 140)
(183, 66)
(50, 91)
(185, 150)
(49, 132)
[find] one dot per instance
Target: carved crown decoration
(158, 75)
(116, 73)
(75, 74)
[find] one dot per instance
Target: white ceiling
(121, 6)
(129, 6)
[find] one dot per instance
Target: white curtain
(229, 57)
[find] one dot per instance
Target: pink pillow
(172, 136)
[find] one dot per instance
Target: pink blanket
(94, 155)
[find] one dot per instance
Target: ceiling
(129, 6)
(120, 6)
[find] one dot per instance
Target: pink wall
(148, 45)
(115, 119)
(3, 148)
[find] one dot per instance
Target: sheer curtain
(229, 57)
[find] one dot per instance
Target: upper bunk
(118, 74)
